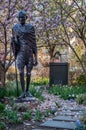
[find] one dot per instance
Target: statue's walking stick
(16, 79)
(14, 52)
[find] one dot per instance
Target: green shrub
(47, 113)
(27, 115)
(81, 80)
(67, 92)
(2, 107)
(2, 92)
(38, 115)
(81, 99)
(36, 92)
(2, 126)
(80, 128)
(83, 119)
(11, 89)
(40, 81)
(12, 117)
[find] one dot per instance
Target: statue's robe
(24, 43)
(24, 35)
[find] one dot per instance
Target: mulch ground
(47, 104)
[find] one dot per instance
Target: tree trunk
(4, 79)
(2, 75)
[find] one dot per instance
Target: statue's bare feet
(22, 95)
(28, 94)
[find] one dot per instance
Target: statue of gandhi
(25, 50)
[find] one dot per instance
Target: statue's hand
(13, 39)
(35, 62)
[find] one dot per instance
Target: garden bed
(48, 104)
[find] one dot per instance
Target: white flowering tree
(73, 21)
(58, 22)
(47, 24)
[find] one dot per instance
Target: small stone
(54, 110)
(27, 124)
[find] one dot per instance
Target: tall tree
(73, 22)
(59, 22)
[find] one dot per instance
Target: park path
(66, 116)
(65, 113)
(66, 119)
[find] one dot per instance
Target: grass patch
(27, 115)
(36, 92)
(67, 92)
(12, 117)
(81, 99)
(11, 90)
(38, 115)
(2, 92)
(40, 81)
(2, 107)
(47, 113)
(2, 126)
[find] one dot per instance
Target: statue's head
(22, 17)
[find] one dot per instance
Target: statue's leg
(29, 67)
(21, 73)
(22, 80)
(28, 76)
(20, 65)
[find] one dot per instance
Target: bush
(27, 115)
(38, 115)
(40, 81)
(81, 99)
(12, 117)
(2, 126)
(47, 113)
(11, 89)
(11, 76)
(2, 92)
(67, 92)
(2, 107)
(36, 92)
(81, 80)
(83, 119)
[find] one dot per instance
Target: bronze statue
(25, 50)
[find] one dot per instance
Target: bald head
(21, 13)
(22, 17)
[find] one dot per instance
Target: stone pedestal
(27, 99)
(25, 104)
